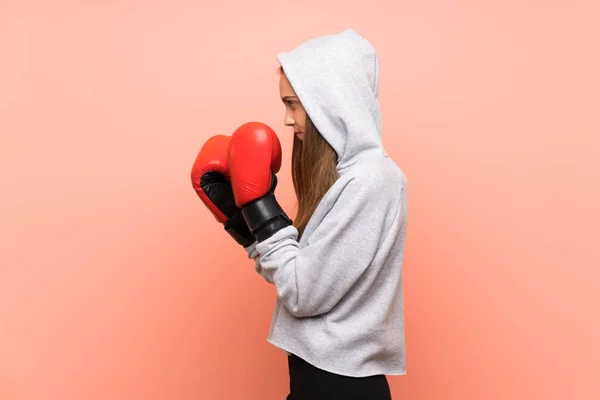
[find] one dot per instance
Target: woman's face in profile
(295, 115)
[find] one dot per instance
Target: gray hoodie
(339, 289)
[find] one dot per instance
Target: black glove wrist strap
(264, 217)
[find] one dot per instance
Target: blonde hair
(314, 171)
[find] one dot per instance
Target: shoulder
(377, 174)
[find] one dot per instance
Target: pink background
(116, 283)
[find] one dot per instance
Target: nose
(288, 120)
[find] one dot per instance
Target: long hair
(314, 170)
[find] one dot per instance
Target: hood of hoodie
(336, 79)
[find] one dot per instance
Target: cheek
(301, 118)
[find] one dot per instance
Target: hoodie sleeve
(310, 280)
(253, 255)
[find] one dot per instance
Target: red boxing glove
(210, 179)
(254, 158)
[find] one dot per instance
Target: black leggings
(308, 382)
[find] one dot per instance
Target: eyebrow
(288, 98)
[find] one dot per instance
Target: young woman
(337, 268)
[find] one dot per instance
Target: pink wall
(116, 283)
